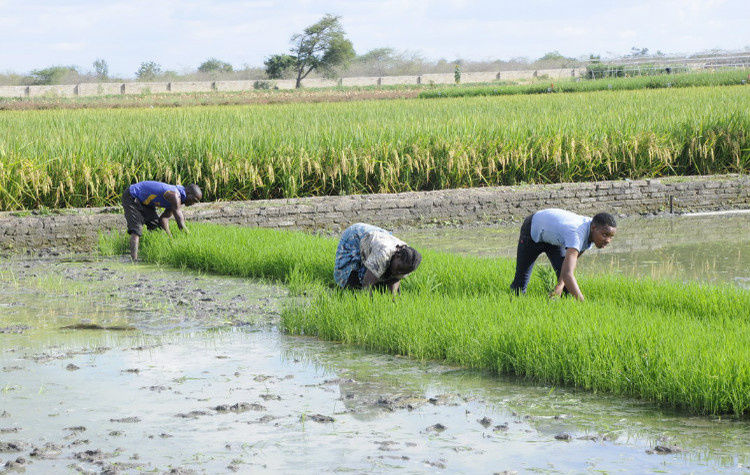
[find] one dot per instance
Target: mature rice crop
(680, 345)
(720, 78)
(86, 157)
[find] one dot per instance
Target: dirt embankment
(79, 229)
(207, 99)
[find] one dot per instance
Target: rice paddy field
(680, 345)
(721, 78)
(74, 158)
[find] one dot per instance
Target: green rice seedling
(680, 345)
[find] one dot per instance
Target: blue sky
(180, 34)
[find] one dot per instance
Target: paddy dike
(77, 229)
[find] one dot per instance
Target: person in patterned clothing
(368, 256)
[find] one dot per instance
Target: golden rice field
(62, 158)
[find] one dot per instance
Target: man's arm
(164, 221)
(567, 277)
(395, 288)
(176, 210)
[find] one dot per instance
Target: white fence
(632, 66)
(108, 89)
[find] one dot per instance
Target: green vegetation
(721, 78)
(680, 345)
(87, 157)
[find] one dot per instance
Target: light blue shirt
(561, 228)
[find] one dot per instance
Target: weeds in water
(680, 345)
(86, 157)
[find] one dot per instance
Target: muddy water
(710, 248)
(189, 372)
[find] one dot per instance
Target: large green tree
(279, 65)
(321, 47)
(213, 65)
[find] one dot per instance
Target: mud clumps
(17, 464)
(664, 450)
(409, 402)
(319, 418)
(192, 414)
(437, 428)
(9, 447)
(239, 407)
(127, 420)
(14, 329)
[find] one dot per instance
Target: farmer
(140, 201)
(563, 236)
(368, 256)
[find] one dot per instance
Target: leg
(526, 255)
(134, 219)
(134, 241)
(556, 256)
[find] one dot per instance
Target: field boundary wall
(78, 229)
(131, 88)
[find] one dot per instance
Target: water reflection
(700, 248)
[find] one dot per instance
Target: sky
(181, 34)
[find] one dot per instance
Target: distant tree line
(323, 50)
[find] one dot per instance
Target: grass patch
(721, 78)
(680, 345)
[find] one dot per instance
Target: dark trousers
(527, 253)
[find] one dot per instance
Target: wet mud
(110, 367)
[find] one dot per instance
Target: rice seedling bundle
(86, 157)
(679, 345)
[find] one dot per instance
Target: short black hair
(194, 190)
(409, 256)
(604, 219)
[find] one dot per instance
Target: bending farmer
(563, 236)
(368, 256)
(140, 201)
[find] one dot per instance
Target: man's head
(603, 229)
(193, 194)
(404, 261)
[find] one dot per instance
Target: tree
(552, 56)
(148, 71)
(213, 65)
(53, 74)
(381, 58)
(279, 65)
(321, 47)
(101, 69)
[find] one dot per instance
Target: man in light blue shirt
(563, 236)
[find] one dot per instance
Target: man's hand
(557, 291)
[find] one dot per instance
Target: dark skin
(601, 236)
(397, 270)
(176, 210)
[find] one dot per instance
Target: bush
(264, 85)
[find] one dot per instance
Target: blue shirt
(561, 228)
(151, 193)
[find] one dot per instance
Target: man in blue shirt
(563, 236)
(140, 200)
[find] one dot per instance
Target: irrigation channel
(161, 369)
